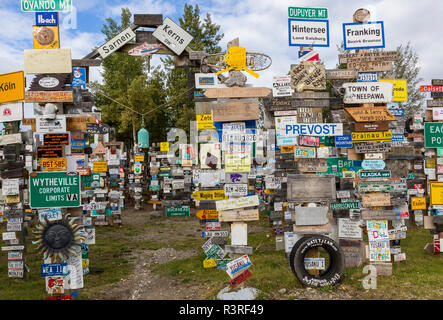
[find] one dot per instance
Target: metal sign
(306, 32)
(368, 92)
(375, 174)
(400, 89)
(235, 189)
(363, 35)
(46, 5)
(56, 164)
(178, 211)
(48, 126)
(46, 19)
(237, 265)
(46, 37)
(172, 36)
(373, 164)
(209, 195)
(54, 269)
(433, 135)
(307, 13)
(367, 77)
(371, 136)
(79, 77)
(12, 87)
(116, 43)
(281, 86)
(344, 141)
(56, 139)
(49, 96)
(344, 205)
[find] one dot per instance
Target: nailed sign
(238, 215)
(307, 32)
(371, 136)
(172, 36)
(12, 87)
(308, 76)
(307, 188)
(46, 5)
(236, 203)
(368, 92)
(11, 112)
(365, 114)
(44, 61)
(363, 35)
(433, 135)
(116, 43)
(376, 199)
(49, 96)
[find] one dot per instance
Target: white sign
(314, 263)
(10, 187)
(8, 236)
(237, 265)
(281, 86)
(236, 203)
(10, 138)
(367, 77)
(236, 189)
(171, 35)
(11, 112)
(368, 92)
(307, 33)
(437, 113)
(58, 125)
(349, 229)
(50, 214)
(363, 35)
(116, 43)
(285, 113)
(207, 81)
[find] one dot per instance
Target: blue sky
(260, 24)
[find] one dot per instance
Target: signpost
(172, 36)
(368, 92)
(116, 43)
(363, 35)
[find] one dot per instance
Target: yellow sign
(204, 121)
(209, 195)
(209, 263)
(237, 163)
(287, 149)
(46, 37)
(400, 89)
(436, 193)
(53, 164)
(418, 203)
(100, 166)
(139, 158)
(12, 199)
(371, 136)
(236, 60)
(164, 146)
(207, 214)
(12, 87)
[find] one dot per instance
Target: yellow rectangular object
(204, 121)
(12, 87)
(371, 136)
(209, 263)
(400, 89)
(100, 166)
(46, 37)
(436, 193)
(164, 146)
(236, 163)
(139, 158)
(53, 164)
(418, 203)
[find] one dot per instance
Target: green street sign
(375, 174)
(345, 205)
(308, 13)
(440, 152)
(54, 189)
(433, 135)
(183, 211)
(46, 5)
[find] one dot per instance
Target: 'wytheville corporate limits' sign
(46, 5)
(363, 35)
(116, 43)
(54, 189)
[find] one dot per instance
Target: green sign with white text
(54, 189)
(433, 135)
(308, 13)
(182, 211)
(46, 5)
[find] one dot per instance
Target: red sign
(213, 226)
(418, 186)
(437, 245)
(59, 298)
(431, 88)
(240, 278)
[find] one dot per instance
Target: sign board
(436, 197)
(10, 187)
(207, 81)
(79, 77)
(57, 125)
(100, 166)
(238, 92)
(349, 229)
(209, 195)
(374, 174)
(116, 43)
(237, 265)
(309, 216)
(164, 146)
(235, 110)
(308, 76)
(46, 5)
(53, 164)
(235, 189)
(376, 199)
(44, 61)
(400, 89)
(307, 32)
(46, 37)
(308, 13)
(49, 96)
(238, 215)
(204, 121)
(418, 203)
(374, 56)
(437, 113)
(237, 203)
(371, 136)
(54, 189)
(363, 35)
(366, 114)
(12, 87)
(368, 92)
(6, 139)
(11, 112)
(172, 36)
(367, 77)
(281, 86)
(433, 135)
(56, 139)
(342, 74)
(307, 188)
(46, 19)
(178, 211)
(344, 141)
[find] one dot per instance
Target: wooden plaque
(238, 92)
(235, 110)
(370, 114)
(310, 188)
(48, 61)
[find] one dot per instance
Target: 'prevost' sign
(172, 36)
(116, 43)
(46, 5)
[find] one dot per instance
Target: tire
(334, 273)
(294, 250)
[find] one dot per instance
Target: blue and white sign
(287, 130)
(373, 164)
(50, 214)
(364, 35)
(344, 141)
(398, 137)
(46, 19)
(397, 112)
(79, 77)
(54, 269)
(306, 32)
(367, 77)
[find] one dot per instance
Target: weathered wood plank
(148, 20)
(238, 92)
(235, 110)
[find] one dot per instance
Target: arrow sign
(209, 195)
(207, 214)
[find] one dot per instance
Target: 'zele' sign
(116, 43)
(172, 36)
(368, 92)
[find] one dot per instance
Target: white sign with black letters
(116, 43)
(281, 86)
(363, 35)
(172, 36)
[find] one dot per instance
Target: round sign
(48, 82)
(362, 15)
(45, 36)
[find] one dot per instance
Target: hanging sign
(46, 5)
(308, 76)
(172, 36)
(363, 35)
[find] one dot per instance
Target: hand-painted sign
(431, 88)
(304, 152)
(308, 76)
(306, 32)
(54, 189)
(240, 278)
(368, 92)
(238, 215)
(209, 234)
(376, 199)
(207, 81)
(418, 203)
(49, 96)
(172, 36)
(363, 35)
(236, 203)
(364, 114)
(12, 87)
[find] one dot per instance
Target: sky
(261, 25)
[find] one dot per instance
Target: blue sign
(54, 269)
(344, 141)
(373, 164)
(367, 77)
(78, 144)
(398, 137)
(79, 77)
(397, 112)
(48, 19)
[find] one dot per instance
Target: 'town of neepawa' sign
(116, 43)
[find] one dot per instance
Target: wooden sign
(49, 96)
(371, 136)
(10, 139)
(312, 165)
(308, 76)
(349, 229)
(366, 114)
(370, 127)
(238, 215)
(342, 74)
(374, 56)
(372, 147)
(370, 66)
(12, 87)
(116, 43)
(311, 216)
(306, 188)
(376, 199)
(368, 92)
(382, 214)
(310, 95)
(209, 195)
(310, 103)
(54, 139)
(207, 214)
(235, 110)
(309, 115)
(277, 103)
(42, 61)
(238, 92)
(172, 36)
(54, 164)
(50, 82)
(237, 203)
(434, 103)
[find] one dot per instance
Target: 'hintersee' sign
(305, 32)
(116, 43)
(368, 92)
(172, 36)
